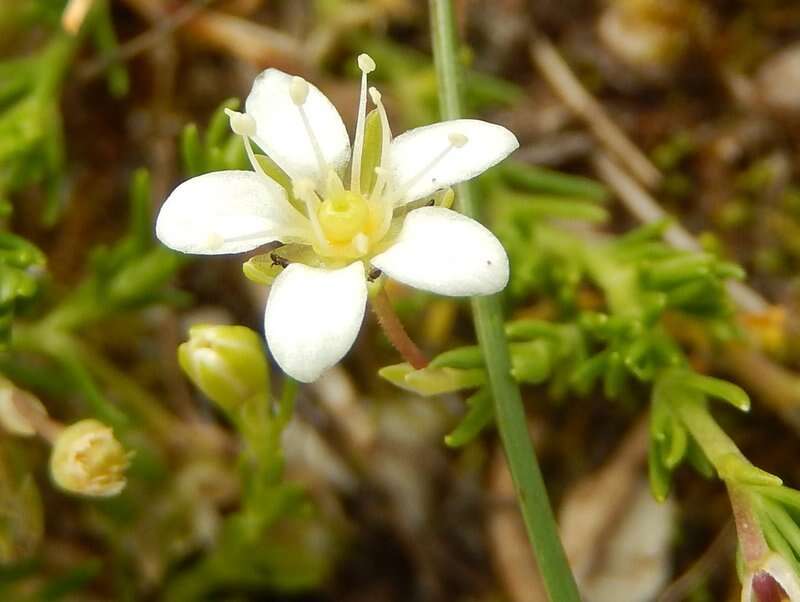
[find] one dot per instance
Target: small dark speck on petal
(488, 262)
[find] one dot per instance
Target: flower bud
(88, 460)
(11, 419)
(226, 363)
(773, 579)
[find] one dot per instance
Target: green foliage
(216, 149)
(21, 267)
(31, 142)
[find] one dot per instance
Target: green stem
(488, 314)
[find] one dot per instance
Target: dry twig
(564, 82)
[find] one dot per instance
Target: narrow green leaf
(660, 475)
(720, 389)
(478, 417)
(547, 181)
(463, 357)
(192, 151)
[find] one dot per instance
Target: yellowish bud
(88, 460)
(11, 419)
(227, 363)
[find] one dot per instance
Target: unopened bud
(227, 363)
(11, 419)
(774, 580)
(88, 460)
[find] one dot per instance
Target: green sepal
(261, 269)
(432, 381)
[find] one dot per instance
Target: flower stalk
(510, 415)
(394, 330)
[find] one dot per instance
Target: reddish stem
(393, 328)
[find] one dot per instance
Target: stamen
(333, 185)
(215, 240)
(361, 243)
(304, 190)
(456, 139)
(242, 124)
(298, 91)
(367, 65)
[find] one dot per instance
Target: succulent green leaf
(479, 415)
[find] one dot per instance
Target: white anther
(457, 139)
(242, 124)
(365, 63)
(361, 243)
(215, 241)
(298, 90)
(375, 95)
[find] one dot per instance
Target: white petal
(447, 253)
(747, 588)
(280, 131)
(313, 316)
(227, 212)
(421, 162)
(783, 573)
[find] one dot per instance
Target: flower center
(343, 216)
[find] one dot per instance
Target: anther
(365, 63)
(242, 124)
(457, 139)
(298, 90)
(375, 95)
(361, 243)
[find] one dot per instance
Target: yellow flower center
(343, 217)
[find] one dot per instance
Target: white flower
(316, 307)
(765, 582)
